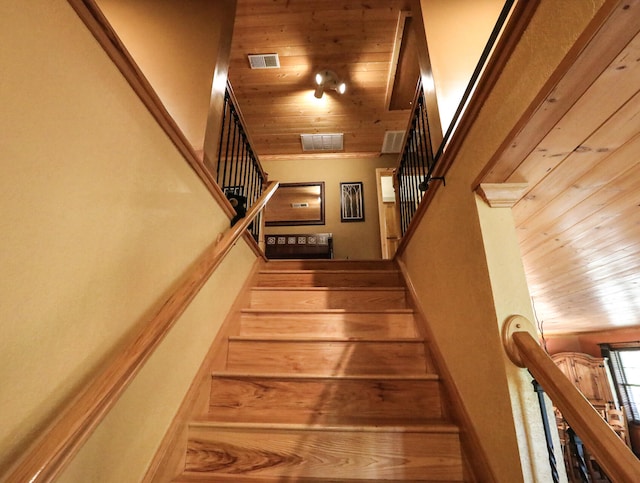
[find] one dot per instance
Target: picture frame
(351, 201)
(296, 204)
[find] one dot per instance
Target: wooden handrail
(53, 450)
(617, 460)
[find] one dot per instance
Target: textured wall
(100, 217)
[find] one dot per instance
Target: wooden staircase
(327, 381)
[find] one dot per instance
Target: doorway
(387, 212)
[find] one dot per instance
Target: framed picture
(296, 204)
(351, 202)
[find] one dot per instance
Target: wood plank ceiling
(353, 38)
(579, 222)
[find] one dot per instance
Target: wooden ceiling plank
(587, 295)
(329, 48)
(607, 94)
(621, 127)
(583, 246)
(585, 191)
(576, 266)
(566, 85)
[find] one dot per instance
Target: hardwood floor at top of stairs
(327, 382)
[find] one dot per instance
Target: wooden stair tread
(337, 423)
(328, 289)
(370, 452)
(323, 340)
(250, 310)
(332, 356)
(366, 427)
(196, 477)
(331, 271)
(296, 376)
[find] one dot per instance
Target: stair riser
(323, 401)
(329, 279)
(327, 358)
(328, 454)
(328, 299)
(328, 325)
(330, 265)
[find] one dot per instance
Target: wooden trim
(51, 452)
(518, 21)
(476, 468)
(502, 195)
(99, 26)
(168, 461)
(617, 460)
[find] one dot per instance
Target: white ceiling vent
(322, 142)
(392, 141)
(264, 61)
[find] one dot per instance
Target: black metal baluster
(225, 113)
(547, 431)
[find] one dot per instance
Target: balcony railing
(238, 170)
(419, 157)
(416, 163)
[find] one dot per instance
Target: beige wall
(465, 279)
(457, 31)
(174, 44)
(354, 240)
(100, 217)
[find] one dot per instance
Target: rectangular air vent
(264, 61)
(392, 142)
(322, 142)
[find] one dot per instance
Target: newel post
(519, 323)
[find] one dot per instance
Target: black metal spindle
(225, 121)
(547, 431)
(238, 171)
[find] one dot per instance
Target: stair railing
(419, 158)
(615, 458)
(238, 171)
(415, 168)
(49, 454)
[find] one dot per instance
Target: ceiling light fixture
(327, 79)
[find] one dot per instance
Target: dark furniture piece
(304, 246)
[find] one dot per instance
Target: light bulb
(342, 88)
(319, 78)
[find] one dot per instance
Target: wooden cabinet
(589, 374)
